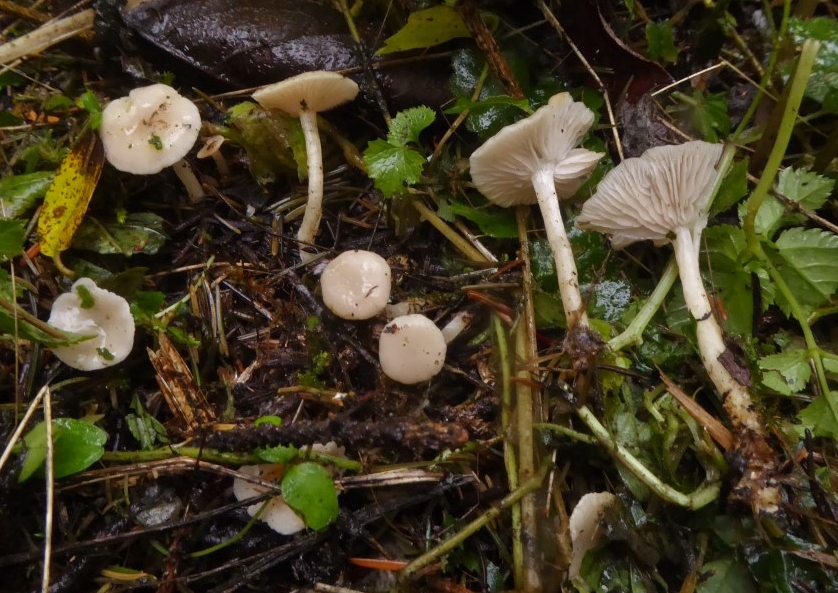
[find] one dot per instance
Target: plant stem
(489, 516)
(702, 496)
(456, 240)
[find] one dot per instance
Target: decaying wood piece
(186, 400)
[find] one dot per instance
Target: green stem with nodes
(702, 496)
(461, 244)
(796, 92)
(633, 334)
(486, 518)
(214, 456)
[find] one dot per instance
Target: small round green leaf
(309, 490)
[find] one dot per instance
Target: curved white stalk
(548, 201)
(314, 206)
(735, 396)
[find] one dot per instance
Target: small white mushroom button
(411, 349)
(356, 284)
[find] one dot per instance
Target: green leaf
(725, 576)
(479, 106)
(707, 113)
(807, 259)
(278, 454)
(818, 417)
(733, 189)
(823, 81)
(144, 427)
(19, 193)
(787, 372)
(493, 221)
(90, 103)
(393, 167)
(11, 238)
(408, 124)
(660, 39)
(309, 490)
(426, 28)
(141, 232)
(732, 282)
(76, 445)
(270, 420)
(808, 189)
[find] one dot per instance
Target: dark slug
(246, 43)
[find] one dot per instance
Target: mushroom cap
(108, 320)
(503, 167)
(310, 91)
(356, 284)
(648, 197)
(585, 532)
(150, 129)
(411, 349)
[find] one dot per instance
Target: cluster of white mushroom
(356, 285)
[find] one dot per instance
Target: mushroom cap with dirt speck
(411, 349)
(150, 129)
(503, 167)
(648, 197)
(309, 91)
(356, 284)
(93, 311)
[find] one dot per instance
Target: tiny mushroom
(584, 525)
(276, 513)
(534, 160)
(303, 96)
(92, 311)
(356, 284)
(663, 196)
(152, 128)
(411, 349)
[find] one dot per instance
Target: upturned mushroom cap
(150, 129)
(503, 167)
(309, 91)
(650, 196)
(356, 284)
(93, 311)
(411, 349)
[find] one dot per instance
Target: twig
(49, 471)
(22, 426)
(49, 34)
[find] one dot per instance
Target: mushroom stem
(190, 182)
(314, 206)
(735, 396)
(548, 201)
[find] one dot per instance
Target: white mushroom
(411, 349)
(584, 524)
(276, 513)
(534, 160)
(356, 284)
(92, 311)
(303, 96)
(152, 128)
(663, 196)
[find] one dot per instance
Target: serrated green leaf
(141, 232)
(19, 193)
(426, 28)
(278, 454)
(786, 373)
(393, 167)
(807, 259)
(309, 490)
(660, 39)
(408, 124)
(818, 417)
(76, 444)
(809, 189)
(11, 238)
(732, 283)
(707, 113)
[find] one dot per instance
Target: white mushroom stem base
(749, 432)
(314, 206)
(548, 202)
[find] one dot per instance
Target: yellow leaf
(66, 200)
